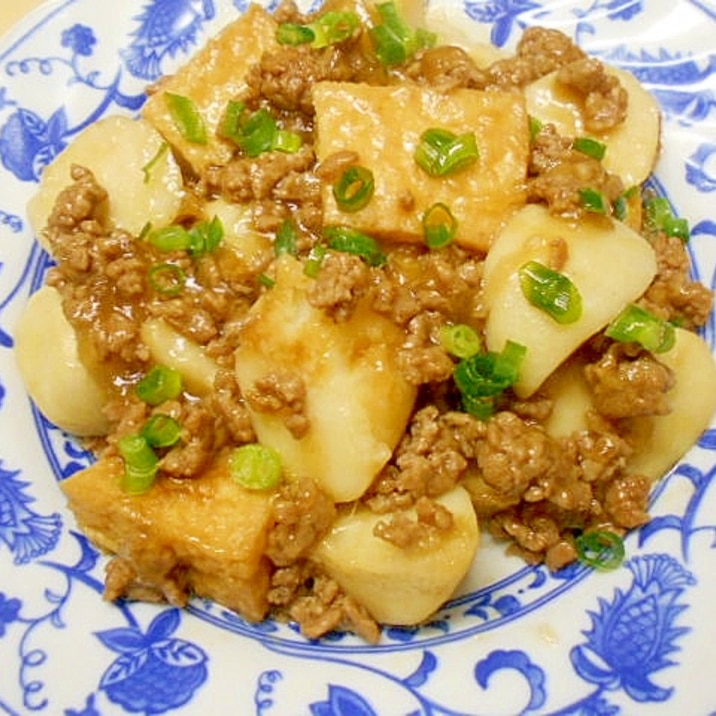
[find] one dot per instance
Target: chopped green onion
(439, 226)
(394, 40)
(355, 188)
(481, 378)
(590, 147)
(286, 141)
(600, 549)
(159, 384)
(551, 292)
(343, 238)
(291, 33)
(621, 204)
(206, 236)
(593, 200)
(170, 238)
(659, 216)
(187, 118)
(258, 132)
(141, 464)
(314, 260)
(536, 127)
(334, 27)
(256, 466)
(149, 166)
(460, 340)
(636, 324)
(266, 281)
(286, 241)
(167, 279)
(231, 123)
(441, 152)
(161, 431)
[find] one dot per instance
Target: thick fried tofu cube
(206, 534)
(383, 126)
(215, 75)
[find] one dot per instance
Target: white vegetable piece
(632, 147)
(47, 355)
(397, 585)
(661, 440)
(131, 160)
(169, 347)
(357, 400)
(609, 264)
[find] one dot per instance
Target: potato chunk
(400, 585)
(357, 401)
(609, 264)
(383, 125)
(214, 76)
(209, 531)
(131, 161)
(632, 147)
(48, 358)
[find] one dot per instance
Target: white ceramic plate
(520, 641)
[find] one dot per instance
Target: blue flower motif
(88, 710)
(26, 533)
(632, 637)
(518, 661)
(342, 702)
(9, 609)
(154, 672)
(615, 9)
(701, 168)
(80, 39)
(502, 14)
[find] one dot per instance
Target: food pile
(343, 298)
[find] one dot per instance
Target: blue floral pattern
(631, 638)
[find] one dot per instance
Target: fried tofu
(383, 125)
(214, 76)
(197, 536)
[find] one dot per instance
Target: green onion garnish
(291, 33)
(590, 147)
(536, 127)
(314, 260)
(159, 384)
(206, 236)
(593, 200)
(170, 238)
(258, 132)
(334, 27)
(343, 238)
(167, 279)
(255, 466)
(141, 464)
(266, 281)
(600, 549)
(659, 216)
(394, 41)
(460, 340)
(286, 241)
(149, 166)
(441, 152)
(439, 226)
(187, 118)
(551, 292)
(355, 188)
(636, 324)
(481, 378)
(161, 431)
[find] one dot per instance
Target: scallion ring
(354, 189)
(141, 463)
(439, 226)
(187, 118)
(600, 549)
(550, 291)
(170, 238)
(441, 152)
(636, 324)
(161, 383)
(344, 238)
(161, 431)
(255, 466)
(590, 147)
(167, 279)
(594, 201)
(460, 340)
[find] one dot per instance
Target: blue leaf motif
(708, 439)
(163, 625)
(517, 661)
(342, 702)
(701, 168)
(420, 676)
(503, 15)
(124, 640)
(123, 668)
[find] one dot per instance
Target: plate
(518, 640)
